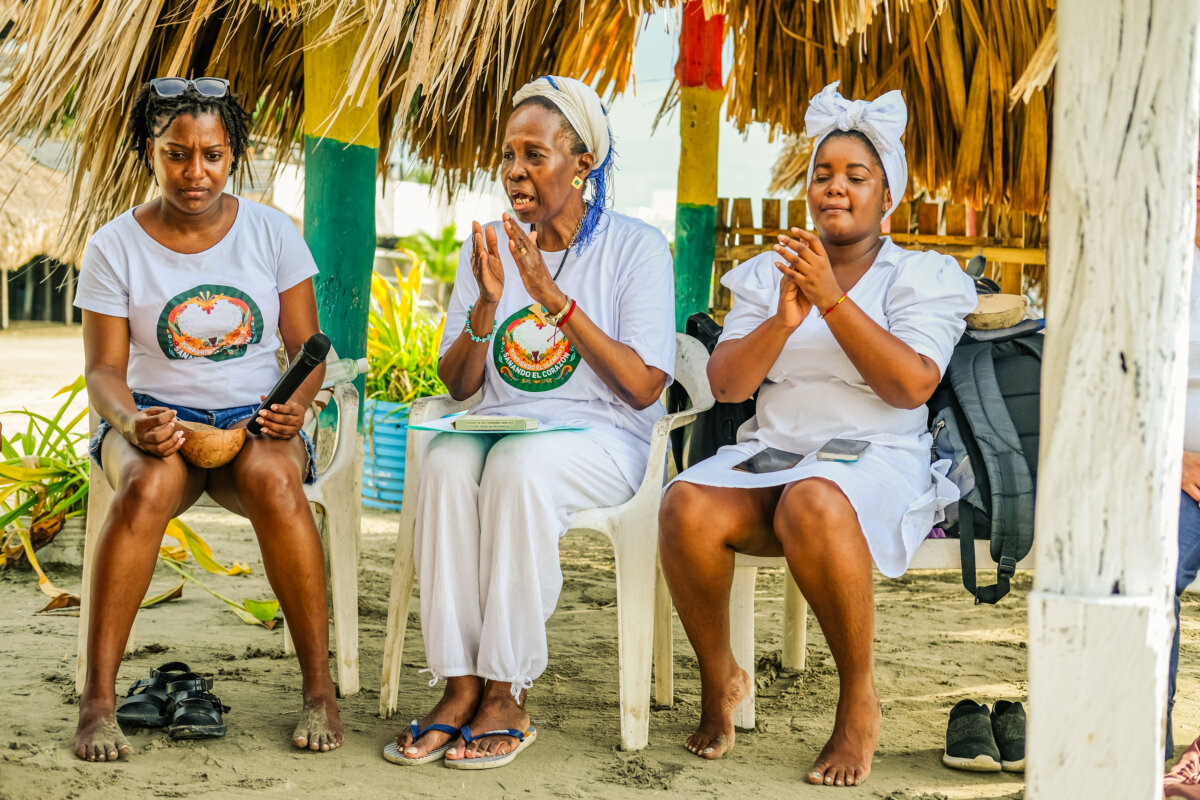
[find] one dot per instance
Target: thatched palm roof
(446, 69)
(959, 70)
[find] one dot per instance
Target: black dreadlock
(152, 115)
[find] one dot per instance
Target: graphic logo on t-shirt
(209, 321)
(533, 356)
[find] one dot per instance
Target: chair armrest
(345, 397)
(660, 439)
(425, 409)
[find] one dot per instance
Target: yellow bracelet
(835, 305)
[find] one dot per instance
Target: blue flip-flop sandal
(524, 739)
(393, 753)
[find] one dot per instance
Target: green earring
(577, 181)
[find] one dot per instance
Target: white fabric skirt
(896, 494)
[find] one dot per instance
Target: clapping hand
(486, 265)
(809, 268)
(534, 272)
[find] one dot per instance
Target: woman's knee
(152, 487)
(688, 515)
(813, 507)
(269, 479)
(453, 458)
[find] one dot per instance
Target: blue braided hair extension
(599, 178)
(601, 198)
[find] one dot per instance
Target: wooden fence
(1013, 243)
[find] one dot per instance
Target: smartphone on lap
(769, 460)
(845, 450)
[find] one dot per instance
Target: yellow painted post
(701, 95)
(341, 146)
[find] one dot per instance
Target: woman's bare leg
(700, 528)
(149, 491)
(829, 558)
(265, 483)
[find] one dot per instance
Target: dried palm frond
(445, 72)
(956, 62)
(91, 56)
(1039, 69)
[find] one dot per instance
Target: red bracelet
(567, 316)
(835, 305)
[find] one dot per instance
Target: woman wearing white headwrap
(843, 335)
(564, 313)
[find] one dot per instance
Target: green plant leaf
(178, 529)
(261, 610)
(237, 608)
(170, 594)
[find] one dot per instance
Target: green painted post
(339, 191)
(700, 99)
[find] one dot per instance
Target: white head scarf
(882, 121)
(580, 104)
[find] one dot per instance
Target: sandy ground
(933, 647)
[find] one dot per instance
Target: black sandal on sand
(147, 704)
(970, 744)
(195, 710)
(1008, 726)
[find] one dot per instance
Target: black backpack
(984, 417)
(716, 427)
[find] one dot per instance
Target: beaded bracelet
(835, 305)
(471, 333)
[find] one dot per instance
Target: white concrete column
(1122, 210)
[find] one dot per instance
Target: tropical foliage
(402, 341)
(43, 475)
(440, 254)
(44, 480)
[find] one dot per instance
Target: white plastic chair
(932, 554)
(632, 527)
(335, 498)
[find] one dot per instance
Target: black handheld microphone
(311, 354)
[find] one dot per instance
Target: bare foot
(320, 726)
(458, 705)
(498, 710)
(846, 758)
(98, 737)
(714, 736)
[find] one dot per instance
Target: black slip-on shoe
(1008, 728)
(970, 744)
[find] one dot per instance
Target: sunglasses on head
(174, 87)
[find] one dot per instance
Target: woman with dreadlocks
(562, 311)
(185, 301)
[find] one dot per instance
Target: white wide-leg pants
(490, 512)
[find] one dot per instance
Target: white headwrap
(882, 121)
(580, 104)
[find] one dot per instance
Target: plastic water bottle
(343, 370)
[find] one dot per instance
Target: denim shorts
(219, 418)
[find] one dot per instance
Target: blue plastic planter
(383, 453)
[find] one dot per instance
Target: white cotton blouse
(624, 282)
(813, 393)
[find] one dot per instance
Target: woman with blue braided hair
(562, 311)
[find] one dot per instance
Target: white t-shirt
(813, 392)
(203, 327)
(624, 282)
